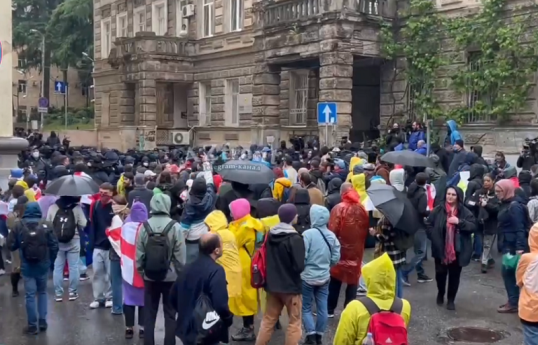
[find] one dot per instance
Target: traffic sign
(60, 87)
(43, 102)
(327, 113)
(43, 110)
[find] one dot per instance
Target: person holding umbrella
(450, 227)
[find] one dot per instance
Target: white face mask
(35, 154)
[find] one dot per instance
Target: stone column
(265, 102)
(335, 85)
(10, 146)
(147, 119)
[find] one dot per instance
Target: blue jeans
(321, 295)
(82, 268)
(101, 270)
(36, 287)
(530, 334)
(117, 290)
(478, 243)
(71, 252)
(510, 284)
(419, 248)
(399, 285)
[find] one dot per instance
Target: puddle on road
(475, 335)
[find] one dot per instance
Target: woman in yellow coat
(244, 227)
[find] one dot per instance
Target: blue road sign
(327, 113)
(60, 87)
(43, 102)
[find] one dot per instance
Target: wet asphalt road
(73, 323)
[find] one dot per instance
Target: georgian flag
(129, 233)
(430, 193)
(113, 233)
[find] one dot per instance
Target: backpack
(64, 225)
(34, 242)
(158, 252)
(387, 326)
(206, 321)
(258, 267)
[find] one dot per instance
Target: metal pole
(65, 98)
(326, 134)
(43, 81)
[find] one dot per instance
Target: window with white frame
(204, 95)
(139, 19)
(209, 17)
(232, 102)
(106, 38)
(22, 87)
(179, 17)
(298, 97)
(236, 15)
(159, 18)
(121, 26)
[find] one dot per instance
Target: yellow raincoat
(280, 186)
(217, 223)
(28, 192)
(120, 186)
(359, 183)
(380, 278)
(244, 230)
(352, 163)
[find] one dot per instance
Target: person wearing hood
(500, 165)
(380, 277)
(360, 184)
(322, 251)
(69, 251)
(469, 159)
(383, 170)
(340, 171)
(475, 181)
(445, 157)
(285, 261)
(349, 222)
(34, 266)
(397, 179)
(178, 193)
(460, 154)
(450, 227)
(510, 173)
(302, 204)
(485, 206)
(160, 222)
(132, 282)
(395, 137)
(478, 150)
(526, 278)
(524, 179)
(437, 177)
(416, 136)
(53, 140)
(513, 224)
(526, 160)
(140, 192)
(28, 183)
(452, 135)
(333, 197)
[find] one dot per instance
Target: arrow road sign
(60, 87)
(327, 113)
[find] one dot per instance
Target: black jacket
(436, 230)
(302, 203)
(513, 223)
(203, 276)
(525, 178)
(486, 217)
(333, 194)
(444, 157)
(417, 195)
(475, 180)
(526, 161)
(285, 255)
(141, 193)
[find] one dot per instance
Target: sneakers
(66, 278)
(84, 277)
(141, 333)
(245, 334)
(507, 309)
(95, 305)
(405, 281)
(440, 300)
(422, 278)
(73, 296)
(30, 330)
(59, 299)
(43, 325)
(450, 305)
(108, 304)
(310, 340)
(318, 339)
(129, 333)
(330, 316)
(2, 272)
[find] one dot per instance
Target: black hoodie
(302, 203)
(525, 178)
(476, 181)
(477, 149)
(417, 195)
(333, 194)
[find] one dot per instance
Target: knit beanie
(287, 213)
(139, 179)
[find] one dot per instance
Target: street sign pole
(65, 99)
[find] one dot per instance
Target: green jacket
(160, 217)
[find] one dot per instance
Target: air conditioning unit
(180, 137)
(188, 10)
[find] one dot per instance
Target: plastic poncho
(380, 278)
(352, 163)
(359, 184)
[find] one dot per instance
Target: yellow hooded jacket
(280, 186)
(359, 184)
(28, 192)
(380, 278)
(120, 186)
(352, 163)
(217, 223)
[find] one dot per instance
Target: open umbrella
(71, 185)
(245, 172)
(394, 205)
(407, 158)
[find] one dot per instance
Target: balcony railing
(148, 43)
(283, 12)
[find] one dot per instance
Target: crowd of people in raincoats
(315, 221)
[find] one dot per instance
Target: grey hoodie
(160, 211)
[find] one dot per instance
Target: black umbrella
(71, 185)
(245, 172)
(407, 158)
(394, 205)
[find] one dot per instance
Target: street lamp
(42, 69)
(87, 56)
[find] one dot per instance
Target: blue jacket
(513, 223)
(454, 133)
(32, 214)
(423, 150)
(203, 276)
(319, 258)
(414, 138)
(197, 211)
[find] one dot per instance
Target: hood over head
(397, 179)
(413, 189)
(67, 202)
(198, 189)
(32, 211)
(525, 177)
(160, 204)
(533, 239)
(22, 183)
(507, 187)
(435, 159)
(302, 197)
(319, 216)
(470, 158)
(510, 172)
(358, 169)
(216, 221)
(452, 125)
(139, 212)
(334, 186)
(239, 208)
(267, 207)
(380, 278)
(476, 172)
(477, 149)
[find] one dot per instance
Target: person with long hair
(450, 227)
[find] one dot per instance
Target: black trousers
(2, 267)
(152, 297)
(334, 293)
(129, 313)
(453, 272)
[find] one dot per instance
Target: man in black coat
(140, 192)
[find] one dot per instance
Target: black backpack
(34, 242)
(158, 252)
(64, 225)
(207, 321)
